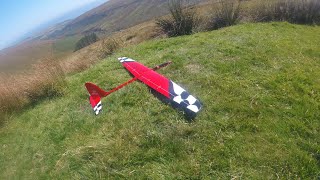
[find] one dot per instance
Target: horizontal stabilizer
(95, 102)
(95, 97)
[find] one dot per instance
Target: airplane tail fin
(96, 94)
(95, 102)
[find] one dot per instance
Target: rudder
(95, 97)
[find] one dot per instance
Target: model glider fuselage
(154, 80)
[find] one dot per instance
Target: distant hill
(112, 16)
(56, 22)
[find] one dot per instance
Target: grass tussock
(293, 11)
(225, 13)
(45, 80)
(182, 20)
(109, 46)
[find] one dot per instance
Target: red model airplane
(167, 88)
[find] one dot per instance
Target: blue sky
(17, 17)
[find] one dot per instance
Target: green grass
(260, 87)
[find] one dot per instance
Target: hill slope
(259, 84)
(114, 15)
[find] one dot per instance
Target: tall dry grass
(88, 56)
(226, 13)
(82, 59)
(45, 80)
(182, 20)
(293, 11)
(110, 45)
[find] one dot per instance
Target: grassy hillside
(23, 56)
(260, 87)
(65, 46)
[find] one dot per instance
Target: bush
(86, 41)
(227, 13)
(182, 20)
(109, 46)
(293, 11)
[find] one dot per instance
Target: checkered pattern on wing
(183, 98)
(97, 109)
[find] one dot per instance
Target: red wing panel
(151, 78)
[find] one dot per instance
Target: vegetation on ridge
(86, 41)
(182, 20)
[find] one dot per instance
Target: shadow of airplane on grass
(189, 115)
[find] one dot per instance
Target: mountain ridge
(114, 15)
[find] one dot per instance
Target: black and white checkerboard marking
(183, 98)
(97, 109)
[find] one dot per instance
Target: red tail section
(95, 102)
(95, 90)
(95, 97)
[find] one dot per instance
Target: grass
(293, 11)
(259, 84)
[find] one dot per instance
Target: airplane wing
(163, 85)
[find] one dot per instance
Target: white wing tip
(125, 59)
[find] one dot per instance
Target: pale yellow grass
(44, 80)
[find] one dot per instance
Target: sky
(18, 17)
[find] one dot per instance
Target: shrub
(86, 41)
(226, 13)
(109, 46)
(293, 11)
(182, 20)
